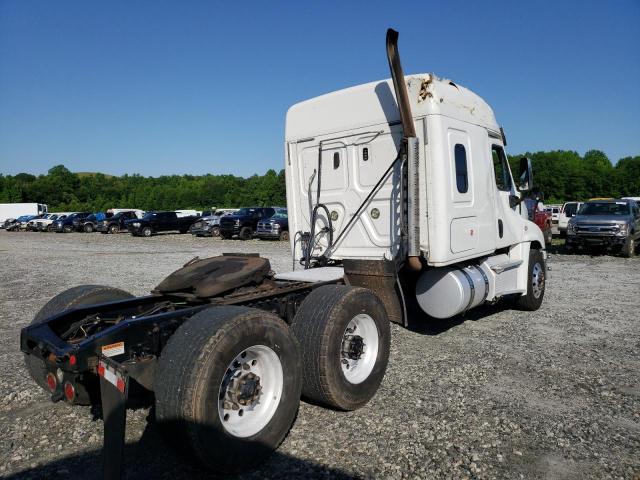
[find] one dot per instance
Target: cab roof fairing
(374, 104)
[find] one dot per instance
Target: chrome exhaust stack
(410, 152)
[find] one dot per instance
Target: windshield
(245, 211)
(609, 208)
(570, 209)
(280, 215)
(149, 215)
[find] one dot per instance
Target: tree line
(563, 175)
(560, 175)
(63, 190)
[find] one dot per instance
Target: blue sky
(158, 87)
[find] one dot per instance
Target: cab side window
(501, 168)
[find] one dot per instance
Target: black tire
(146, 232)
(74, 297)
(284, 236)
(225, 236)
(182, 232)
(535, 284)
(215, 231)
(114, 229)
(50, 228)
(320, 326)
(67, 229)
(191, 371)
(245, 233)
(88, 228)
(629, 247)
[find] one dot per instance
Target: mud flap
(114, 388)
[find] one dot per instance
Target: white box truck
(15, 210)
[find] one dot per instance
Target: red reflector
(69, 391)
(52, 383)
(120, 384)
(72, 360)
(101, 370)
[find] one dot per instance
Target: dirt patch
(497, 394)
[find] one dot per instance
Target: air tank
(447, 291)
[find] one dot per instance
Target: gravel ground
(497, 394)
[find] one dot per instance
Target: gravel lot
(497, 394)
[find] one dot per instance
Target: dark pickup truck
(154, 222)
(275, 227)
(614, 224)
(116, 223)
(244, 222)
(70, 223)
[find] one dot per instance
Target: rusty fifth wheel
(344, 334)
(228, 386)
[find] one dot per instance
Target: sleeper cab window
(462, 176)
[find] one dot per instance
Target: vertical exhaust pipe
(411, 151)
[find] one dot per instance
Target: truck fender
(533, 239)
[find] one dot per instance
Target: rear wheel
(536, 283)
(245, 233)
(50, 228)
(67, 229)
(345, 336)
(284, 236)
(215, 231)
(114, 229)
(146, 232)
(227, 386)
(88, 227)
(74, 297)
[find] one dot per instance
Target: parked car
(543, 218)
(71, 222)
(90, 223)
(554, 210)
(14, 224)
(244, 222)
(32, 225)
(208, 226)
(274, 227)
(7, 222)
(47, 225)
(614, 224)
(154, 222)
(568, 210)
(116, 223)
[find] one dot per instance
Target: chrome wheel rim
(537, 280)
(250, 391)
(359, 350)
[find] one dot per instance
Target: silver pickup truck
(614, 224)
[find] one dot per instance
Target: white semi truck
(15, 210)
(404, 209)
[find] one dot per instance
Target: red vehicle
(543, 220)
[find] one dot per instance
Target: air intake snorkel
(409, 150)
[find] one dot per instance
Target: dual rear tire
(228, 386)
(345, 337)
(229, 381)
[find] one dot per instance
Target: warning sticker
(113, 349)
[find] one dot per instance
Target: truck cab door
(508, 218)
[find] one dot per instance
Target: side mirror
(525, 177)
